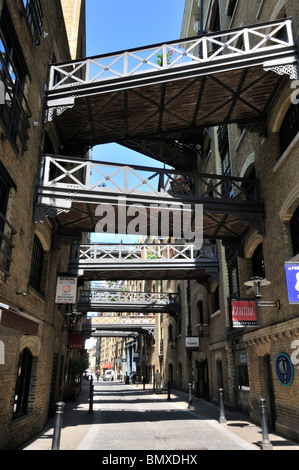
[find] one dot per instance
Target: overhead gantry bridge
(98, 300)
(74, 189)
(118, 261)
(117, 325)
(158, 99)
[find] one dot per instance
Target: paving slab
(161, 421)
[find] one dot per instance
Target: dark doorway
(270, 399)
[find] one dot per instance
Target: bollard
(222, 418)
(90, 410)
(190, 394)
(57, 426)
(168, 397)
(265, 444)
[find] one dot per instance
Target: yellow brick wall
(74, 17)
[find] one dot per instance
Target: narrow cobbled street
(130, 418)
(136, 419)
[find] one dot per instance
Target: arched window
(289, 127)
(294, 227)
(22, 383)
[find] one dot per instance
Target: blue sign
(284, 369)
(292, 275)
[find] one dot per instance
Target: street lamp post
(258, 282)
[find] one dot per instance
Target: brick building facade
(248, 362)
(244, 361)
(33, 329)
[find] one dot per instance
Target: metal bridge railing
(207, 49)
(64, 176)
(95, 296)
(99, 253)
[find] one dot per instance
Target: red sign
(243, 313)
(76, 341)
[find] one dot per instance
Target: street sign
(76, 340)
(284, 369)
(243, 313)
(192, 343)
(292, 276)
(66, 290)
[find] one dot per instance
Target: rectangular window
(15, 112)
(294, 227)
(258, 265)
(289, 127)
(36, 265)
(223, 145)
(215, 300)
(6, 230)
(233, 279)
(234, 287)
(34, 15)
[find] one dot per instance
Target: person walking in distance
(158, 380)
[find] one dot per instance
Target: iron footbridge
(97, 300)
(158, 98)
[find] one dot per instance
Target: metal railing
(98, 297)
(65, 176)
(100, 253)
(123, 321)
(127, 301)
(237, 45)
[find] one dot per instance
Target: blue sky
(114, 25)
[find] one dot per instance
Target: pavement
(78, 419)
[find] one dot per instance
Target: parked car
(108, 374)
